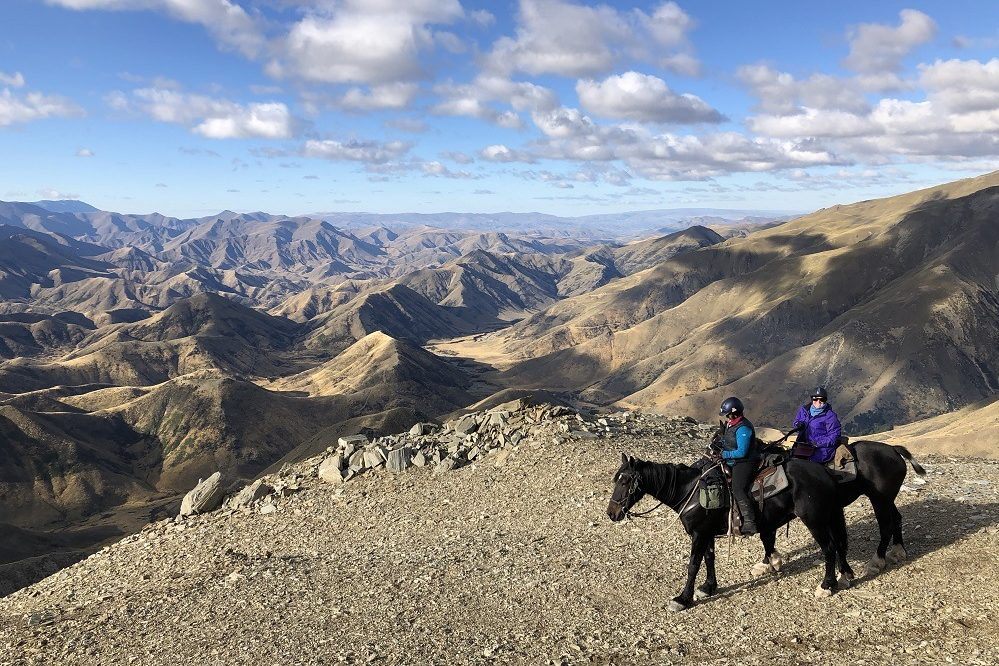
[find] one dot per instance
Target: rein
(672, 488)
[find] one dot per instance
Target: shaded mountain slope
(395, 310)
(891, 303)
(383, 373)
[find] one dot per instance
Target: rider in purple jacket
(819, 426)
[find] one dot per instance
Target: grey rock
(466, 425)
(374, 457)
(419, 460)
(422, 429)
(204, 497)
(251, 493)
(399, 459)
(356, 440)
(331, 469)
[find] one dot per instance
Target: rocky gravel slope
(511, 558)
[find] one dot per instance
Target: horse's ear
(721, 424)
(624, 459)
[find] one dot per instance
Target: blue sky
(187, 107)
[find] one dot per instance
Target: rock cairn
(485, 437)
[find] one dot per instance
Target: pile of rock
(471, 438)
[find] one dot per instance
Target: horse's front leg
(771, 558)
(698, 546)
(710, 582)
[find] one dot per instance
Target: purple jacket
(822, 430)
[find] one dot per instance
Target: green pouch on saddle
(713, 496)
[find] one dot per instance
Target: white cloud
(34, 106)
(364, 42)
(439, 170)
(560, 37)
(84, 152)
(15, 80)
(475, 99)
(501, 153)
(477, 108)
(210, 117)
(457, 156)
(225, 20)
(387, 96)
(263, 121)
(644, 98)
(371, 152)
(962, 85)
(53, 194)
(780, 93)
(877, 48)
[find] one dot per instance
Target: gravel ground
(516, 563)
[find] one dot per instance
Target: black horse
(811, 497)
(881, 469)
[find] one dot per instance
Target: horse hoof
(875, 566)
(844, 581)
(776, 561)
(896, 554)
(762, 569)
(676, 606)
(823, 592)
(700, 594)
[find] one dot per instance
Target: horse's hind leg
(770, 555)
(885, 513)
(710, 582)
(897, 552)
(698, 546)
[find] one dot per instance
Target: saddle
(715, 490)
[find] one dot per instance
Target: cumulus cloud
(15, 80)
(25, 108)
(478, 99)
(371, 152)
(876, 48)
(644, 98)
(560, 37)
(210, 117)
(387, 96)
(84, 152)
(962, 85)
(439, 170)
(364, 42)
(958, 119)
(501, 153)
(780, 93)
(225, 20)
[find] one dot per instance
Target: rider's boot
(748, 510)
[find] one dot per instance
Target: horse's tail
(904, 452)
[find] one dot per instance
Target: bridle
(633, 489)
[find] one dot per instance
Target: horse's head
(627, 488)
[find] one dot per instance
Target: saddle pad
(769, 482)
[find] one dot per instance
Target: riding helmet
(731, 407)
(820, 392)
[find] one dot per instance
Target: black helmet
(731, 407)
(820, 392)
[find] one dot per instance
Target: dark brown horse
(811, 497)
(881, 469)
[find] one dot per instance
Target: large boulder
(206, 496)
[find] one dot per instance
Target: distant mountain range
(139, 353)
